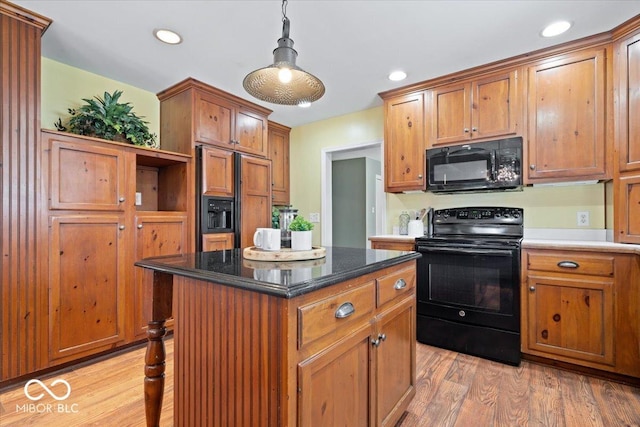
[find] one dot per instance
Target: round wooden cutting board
(283, 254)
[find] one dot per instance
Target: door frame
(326, 204)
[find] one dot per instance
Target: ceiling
(350, 45)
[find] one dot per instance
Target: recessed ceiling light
(396, 76)
(304, 104)
(556, 28)
(167, 36)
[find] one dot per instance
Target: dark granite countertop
(282, 279)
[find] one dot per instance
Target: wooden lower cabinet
(627, 208)
(96, 232)
(157, 234)
(395, 362)
(334, 384)
(582, 308)
(217, 241)
(87, 285)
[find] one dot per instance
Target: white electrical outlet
(583, 219)
(314, 217)
(138, 199)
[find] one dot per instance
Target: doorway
(371, 213)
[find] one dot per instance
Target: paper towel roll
(416, 228)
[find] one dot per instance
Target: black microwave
(480, 166)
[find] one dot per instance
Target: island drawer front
(326, 316)
(568, 262)
(395, 285)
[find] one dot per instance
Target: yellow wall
(64, 87)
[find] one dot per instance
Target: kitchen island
(329, 341)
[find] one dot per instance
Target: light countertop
(536, 243)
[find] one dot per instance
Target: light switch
(314, 217)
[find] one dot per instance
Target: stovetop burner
(477, 224)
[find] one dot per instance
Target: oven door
(473, 285)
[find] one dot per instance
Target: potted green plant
(300, 234)
(109, 119)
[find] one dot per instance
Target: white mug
(267, 239)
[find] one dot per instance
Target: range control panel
(481, 215)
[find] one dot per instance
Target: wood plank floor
(453, 390)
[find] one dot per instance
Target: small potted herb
(300, 234)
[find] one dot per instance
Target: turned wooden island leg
(161, 302)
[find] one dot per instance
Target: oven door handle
(466, 251)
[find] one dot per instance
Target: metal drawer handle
(345, 310)
(400, 284)
(568, 264)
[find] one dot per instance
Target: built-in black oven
(468, 291)
(480, 166)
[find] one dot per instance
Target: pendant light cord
(285, 20)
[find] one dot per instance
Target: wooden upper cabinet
(251, 133)
(87, 177)
(222, 123)
(404, 143)
(194, 113)
(279, 155)
(567, 102)
(473, 109)
(449, 114)
(627, 83)
(215, 121)
(217, 172)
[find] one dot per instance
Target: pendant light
(284, 82)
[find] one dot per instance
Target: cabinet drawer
(597, 265)
(346, 309)
(393, 246)
(395, 285)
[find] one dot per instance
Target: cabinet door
(450, 109)
(255, 197)
(214, 121)
(627, 209)
(88, 267)
(279, 155)
(334, 385)
(251, 133)
(395, 362)
(156, 235)
(217, 172)
(404, 144)
(571, 317)
(566, 107)
(217, 242)
(495, 106)
(87, 177)
(628, 105)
